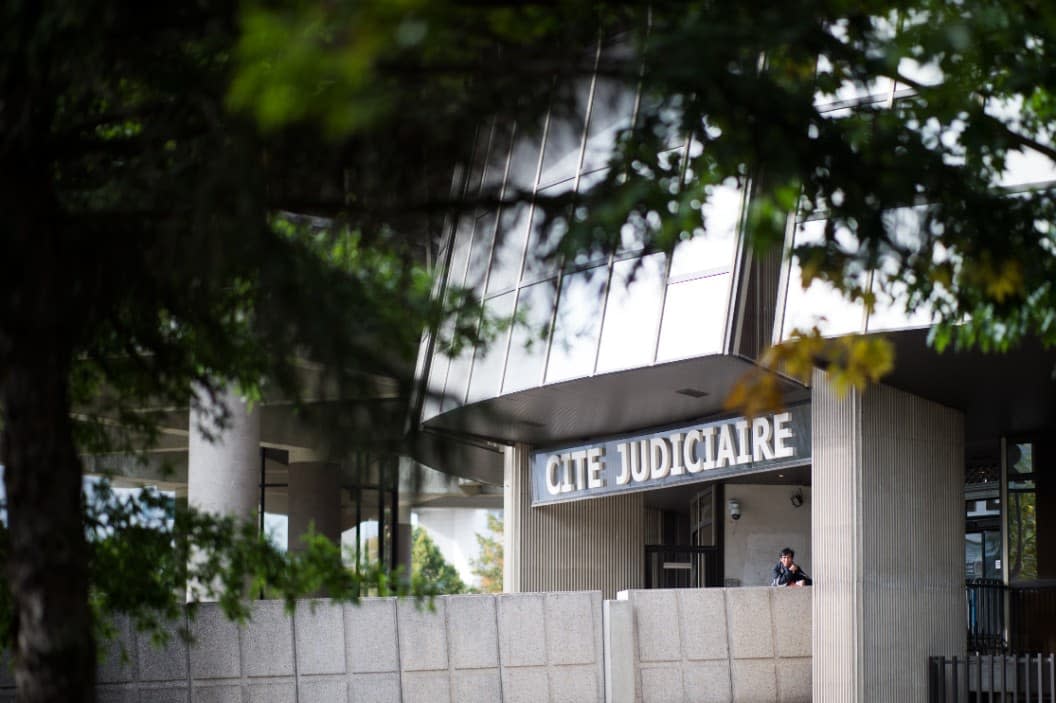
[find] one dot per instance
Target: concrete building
(619, 472)
(621, 469)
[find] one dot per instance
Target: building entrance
(683, 548)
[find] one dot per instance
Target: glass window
(713, 248)
(431, 404)
(1022, 514)
(889, 310)
(541, 260)
(457, 378)
(610, 112)
(573, 347)
(1026, 166)
(480, 252)
(694, 318)
(488, 362)
(820, 304)
(509, 248)
(528, 344)
(460, 255)
(564, 136)
(628, 336)
(524, 162)
(498, 156)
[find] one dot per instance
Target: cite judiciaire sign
(699, 452)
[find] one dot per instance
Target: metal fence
(984, 601)
(682, 567)
(981, 678)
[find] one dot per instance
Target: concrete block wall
(481, 648)
(721, 645)
(749, 644)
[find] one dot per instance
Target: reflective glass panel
(573, 347)
(480, 252)
(889, 311)
(509, 248)
(488, 362)
(524, 162)
(565, 136)
(541, 260)
(628, 336)
(535, 307)
(457, 380)
(610, 112)
(1022, 514)
(714, 247)
(498, 154)
(820, 304)
(694, 318)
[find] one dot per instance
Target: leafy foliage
(429, 566)
(488, 566)
(246, 189)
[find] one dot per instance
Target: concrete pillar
(515, 482)
(620, 667)
(314, 497)
(403, 531)
(223, 471)
(888, 542)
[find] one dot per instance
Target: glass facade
(599, 313)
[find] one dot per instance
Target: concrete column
(223, 471)
(314, 496)
(403, 531)
(888, 542)
(618, 649)
(515, 482)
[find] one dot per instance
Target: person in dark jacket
(787, 572)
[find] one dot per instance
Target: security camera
(797, 499)
(735, 508)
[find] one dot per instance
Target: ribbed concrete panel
(835, 544)
(888, 541)
(913, 549)
(591, 545)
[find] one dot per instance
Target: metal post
(954, 680)
(263, 491)
(1052, 678)
(381, 515)
(394, 519)
(1041, 683)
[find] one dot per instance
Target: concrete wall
(530, 647)
(700, 645)
(718, 645)
(888, 542)
(769, 522)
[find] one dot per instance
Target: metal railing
(1026, 678)
(984, 602)
(1032, 616)
(682, 567)
(1001, 618)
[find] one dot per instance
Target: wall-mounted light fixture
(734, 507)
(797, 498)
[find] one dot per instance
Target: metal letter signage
(701, 452)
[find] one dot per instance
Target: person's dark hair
(787, 552)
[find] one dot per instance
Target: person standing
(787, 572)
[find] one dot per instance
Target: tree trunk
(47, 566)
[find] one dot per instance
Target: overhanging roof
(607, 404)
